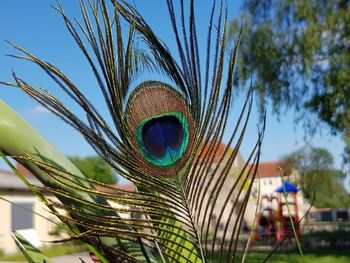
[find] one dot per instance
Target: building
(222, 196)
(268, 179)
(23, 212)
(16, 204)
(330, 214)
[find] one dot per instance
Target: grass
(322, 255)
(53, 251)
(310, 256)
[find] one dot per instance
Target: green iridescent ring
(163, 139)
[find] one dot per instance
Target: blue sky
(39, 28)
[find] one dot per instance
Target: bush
(326, 239)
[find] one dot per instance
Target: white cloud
(38, 110)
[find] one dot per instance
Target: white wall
(6, 242)
(41, 225)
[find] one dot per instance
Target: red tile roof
(269, 169)
(24, 171)
(126, 187)
(218, 153)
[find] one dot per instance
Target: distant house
(16, 215)
(268, 179)
(330, 214)
(214, 203)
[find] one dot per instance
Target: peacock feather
(165, 137)
(161, 130)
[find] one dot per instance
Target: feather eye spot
(161, 128)
(163, 140)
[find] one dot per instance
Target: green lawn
(310, 256)
(50, 252)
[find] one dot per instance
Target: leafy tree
(95, 168)
(297, 55)
(317, 175)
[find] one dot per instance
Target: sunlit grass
(310, 256)
(321, 255)
(54, 251)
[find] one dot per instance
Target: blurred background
(295, 55)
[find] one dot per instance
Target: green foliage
(95, 168)
(332, 239)
(297, 54)
(317, 175)
(179, 247)
(311, 256)
(60, 229)
(31, 253)
(54, 251)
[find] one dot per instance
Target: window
(22, 218)
(326, 216)
(342, 215)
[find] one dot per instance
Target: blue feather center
(163, 139)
